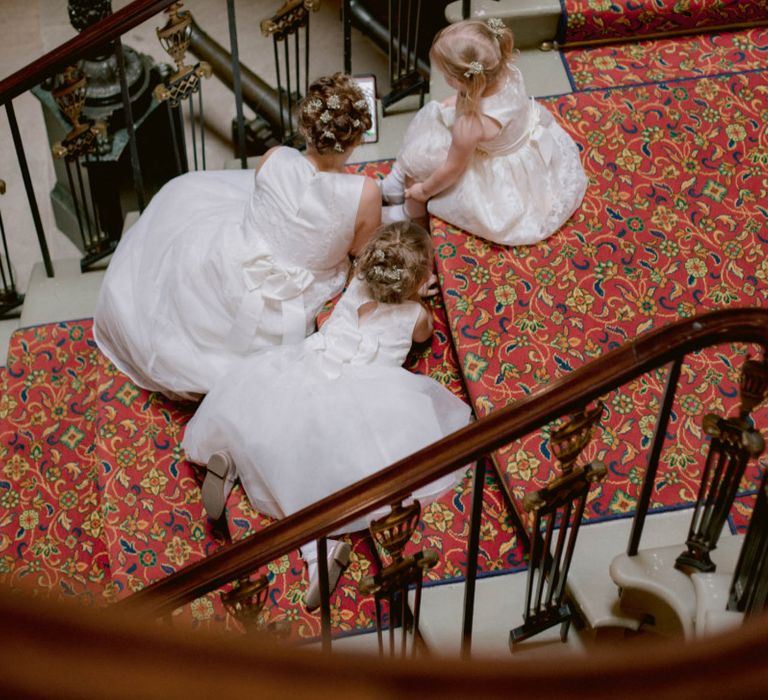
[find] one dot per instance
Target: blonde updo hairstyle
(334, 114)
(458, 48)
(396, 261)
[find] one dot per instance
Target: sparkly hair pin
(326, 116)
(338, 147)
(328, 134)
(313, 105)
(474, 68)
(361, 104)
(496, 26)
(378, 255)
(334, 102)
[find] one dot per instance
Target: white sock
(308, 553)
(393, 213)
(393, 185)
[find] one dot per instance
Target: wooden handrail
(564, 396)
(94, 37)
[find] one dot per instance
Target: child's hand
(416, 192)
(429, 288)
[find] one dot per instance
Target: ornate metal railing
(108, 136)
(474, 443)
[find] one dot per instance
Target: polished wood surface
(66, 651)
(564, 396)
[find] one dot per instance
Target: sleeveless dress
(217, 267)
(519, 187)
(301, 422)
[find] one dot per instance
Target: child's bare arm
(467, 133)
(423, 328)
(368, 216)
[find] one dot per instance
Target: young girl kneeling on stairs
(298, 423)
(489, 160)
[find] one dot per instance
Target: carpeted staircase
(97, 499)
(624, 20)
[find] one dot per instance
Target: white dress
(220, 265)
(301, 422)
(519, 187)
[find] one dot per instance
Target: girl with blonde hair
(298, 423)
(489, 159)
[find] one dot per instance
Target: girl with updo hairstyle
(334, 114)
(489, 159)
(222, 264)
(298, 423)
(397, 263)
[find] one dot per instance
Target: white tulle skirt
(298, 435)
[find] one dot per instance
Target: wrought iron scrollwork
(174, 38)
(392, 533)
(734, 442)
(85, 138)
(291, 17)
(557, 511)
(245, 602)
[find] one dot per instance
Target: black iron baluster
(279, 88)
(202, 125)
(19, 146)
(346, 23)
(473, 547)
(653, 457)
(138, 181)
(191, 107)
(325, 594)
(286, 51)
(174, 139)
(466, 9)
(237, 84)
(84, 203)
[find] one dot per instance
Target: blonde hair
(334, 114)
(474, 54)
(396, 261)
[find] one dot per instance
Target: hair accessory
(474, 68)
(328, 134)
(356, 123)
(313, 105)
(361, 104)
(378, 255)
(334, 102)
(326, 116)
(338, 147)
(497, 26)
(387, 274)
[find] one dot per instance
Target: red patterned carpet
(667, 59)
(673, 224)
(595, 20)
(97, 500)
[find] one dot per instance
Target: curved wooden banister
(571, 392)
(94, 37)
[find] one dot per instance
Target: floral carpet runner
(98, 501)
(673, 224)
(590, 20)
(675, 59)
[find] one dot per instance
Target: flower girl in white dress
(298, 423)
(489, 160)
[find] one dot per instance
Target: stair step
(533, 22)
(69, 294)
(499, 603)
